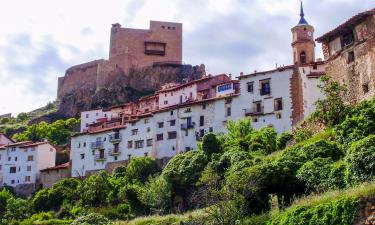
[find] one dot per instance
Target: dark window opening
(161, 125)
(258, 107)
(201, 120)
(155, 48)
(159, 137)
(229, 111)
(265, 88)
(278, 104)
(302, 57)
(348, 40)
(250, 87)
(172, 135)
(351, 57)
(365, 88)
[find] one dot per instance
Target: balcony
(114, 152)
(97, 145)
(100, 157)
(186, 126)
(115, 138)
(254, 112)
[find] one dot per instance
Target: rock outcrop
(90, 86)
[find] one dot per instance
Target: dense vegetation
(235, 178)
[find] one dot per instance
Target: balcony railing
(99, 157)
(254, 112)
(97, 145)
(114, 152)
(186, 126)
(115, 137)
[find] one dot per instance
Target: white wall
(89, 117)
(173, 97)
(4, 140)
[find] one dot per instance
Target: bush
(5, 195)
(283, 139)
(92, 218)
(95, 189)
(263, 140)
(361, 159)
(339, 212)
(210, 144)
(315, 174)
(157, 194)
(17, 209)
(323, 149)
(140, 168)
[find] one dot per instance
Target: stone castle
(140, 62)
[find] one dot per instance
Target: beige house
(51, 175)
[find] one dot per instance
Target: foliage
(5, 195)
(140, 168)
(331, 110)
(157, 194)
(283, 139)
(92, 218)
(263, 140)
(95, 189)
(22, 116)
(57, 133)
(339, 212)
(361, 159)
(211, 144)
(185, 168)
(17, 209)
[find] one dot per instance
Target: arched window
(302, 57)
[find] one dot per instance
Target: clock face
(309, 33)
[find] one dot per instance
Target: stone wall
(360, 73)
(296, 94)
(366, 215)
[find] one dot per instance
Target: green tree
(17, 209)
(22, 116)
(140, 168)
(5, 195)
(210, 144)
(157, 194)
(95, 189)
(263, 140)
(332, 109)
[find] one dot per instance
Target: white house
(92, 116)
(21, 162)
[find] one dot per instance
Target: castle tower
(303, 41)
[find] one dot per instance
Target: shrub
(315, 174)
(92, 218)
(361, 159)
(140, 168)
(323, 149)
(17, 209)
(283, 139)
(157, 194)
(5, 195)
(210, 144)
(95, 189)
(263, 140)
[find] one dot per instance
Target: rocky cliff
(90, 86)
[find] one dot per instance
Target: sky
(40, 39)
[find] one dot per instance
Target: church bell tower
(303, 41)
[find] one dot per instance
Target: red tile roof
(62, 166)
(347, 26)
(34, 144)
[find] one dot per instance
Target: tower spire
(302, 21)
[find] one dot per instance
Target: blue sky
(40, 39)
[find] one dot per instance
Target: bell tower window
(302, 57)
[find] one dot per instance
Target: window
(87, 115)
(15, 158)
(278, 115)
(130, 144)
(187, 110)
(148, 129)
(12, 182)
(250, 87)
(13, 149)
(211, 129)
(365, 88)
(12, 169)
(1, 167)
(172, 135)
(27, 179)
(9, 158)
(258, 107)
(224, 87)
(155, 48)
(134, 123)
(172, 113)
(159, 137)
(28, 168)
(201, 120)
(255, 119)
(201, 132)
(149, 142)
(30, 158)
(115, 158)
(82, 156)
(160, 124)
(302, 57)
(134, 131)
(265, 87)
(84, 144)
(278, 104)
(229, 111)
(116, 148)
(351, 57)
(348, 40)
(146, 121)
(139, 144)
(146, 154)
(172, 123)
(187, 149)
(79, 144)
(165, 102)
(204, 107)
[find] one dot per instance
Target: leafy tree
(283, 139)
(4, 120)
(157, 194)
(17, 209)
(263, 140)
(185, 168)
(238, 133)
(22, 116)
(361, 159)
(95, 189)
(140, 168)
(331, 110)
(211, 144)
(5, 195)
